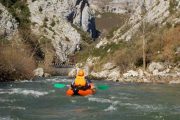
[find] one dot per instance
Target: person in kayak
(81, 86)
(80, 83)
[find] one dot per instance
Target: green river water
(38, 100)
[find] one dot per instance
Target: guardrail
(59, 65)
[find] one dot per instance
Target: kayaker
(81, 86)
(80, 82)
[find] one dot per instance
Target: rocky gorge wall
(54, 18)
(43, 24)
(57, 20)
(8, 25)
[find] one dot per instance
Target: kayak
(90, 91)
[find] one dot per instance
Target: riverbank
(156, 73)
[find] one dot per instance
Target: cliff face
(113, 6)
(83, 16)
(52, 19)
(48, 18)
(8, 25)
(159, 12)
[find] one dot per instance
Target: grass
(110, 22)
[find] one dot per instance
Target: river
(38, 100)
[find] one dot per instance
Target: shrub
(172, 5)
(1, 12)
(53, 23)
(15, 64)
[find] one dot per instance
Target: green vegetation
(19, 9)
(173, 4)
(84, 35)
(1, 12)
(53, 23)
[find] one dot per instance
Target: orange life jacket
(80, 81)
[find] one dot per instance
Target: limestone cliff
(8, 25)
(157, 12)
(50, 19)
(153, 12)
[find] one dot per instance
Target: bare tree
(143, 12)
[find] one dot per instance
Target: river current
(39, 100)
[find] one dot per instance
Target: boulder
(114, 74)
(156, 66)
(103, 42)
(162, 73)
(47, 75)
(39, 72)
(174, 82)
(103, 74)
(131, 73)
(155, 72)
(145, 80)
(141, 73)
(73, 72)
(99, 75)
(108, 66)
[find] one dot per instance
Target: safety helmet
(81, 72)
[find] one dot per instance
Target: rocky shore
(156, 73)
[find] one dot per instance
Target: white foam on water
(5, 118)
(25, 92)
(110, 108)
(142, 107)
(159, 117)
(6, 100)
(113, 103)
(58, 80)
(24, 81)
(14, 108)
(99, 100)
(121, 97)
(28, 92)
(73, 101)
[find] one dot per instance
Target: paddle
(57, 85)
(101, 87)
